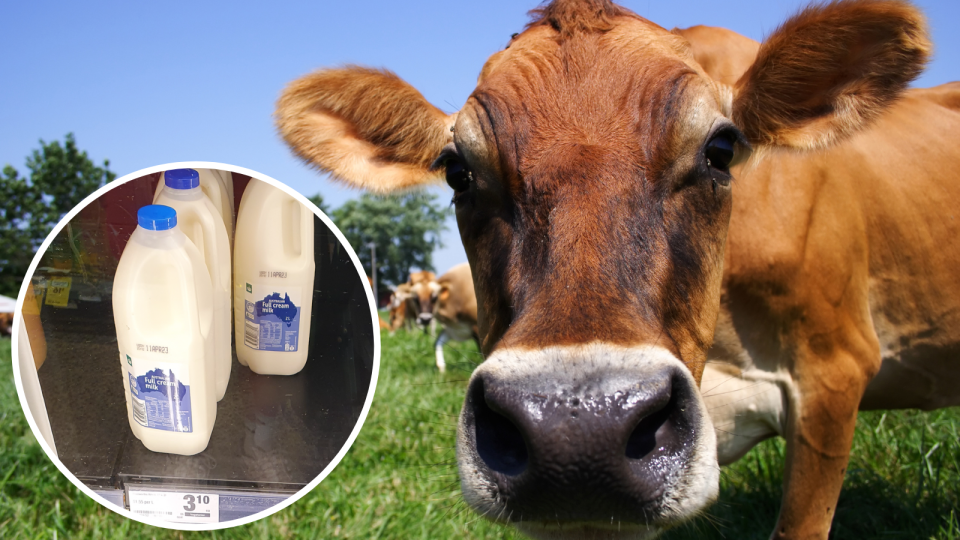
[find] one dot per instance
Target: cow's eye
(458, 177)
(457, 174)
(720, 151)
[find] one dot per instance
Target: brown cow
(750, 387)
(455, 308)
(412, 300)
(591, 170)
(402, 310)
(424, 287)
(6, 324)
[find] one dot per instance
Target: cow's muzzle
(587, 436)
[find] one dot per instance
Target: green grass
(903, 482)
(399, 480)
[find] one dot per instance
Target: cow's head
(424, 287)
(592, 184)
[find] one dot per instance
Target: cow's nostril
(652, 431)
(499, 442)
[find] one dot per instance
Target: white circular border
(363, 412)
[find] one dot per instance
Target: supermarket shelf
(273, 434)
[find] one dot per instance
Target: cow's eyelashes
(458, 176)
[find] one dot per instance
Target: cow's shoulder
(724, 54)
(946, 95)
(457, 295)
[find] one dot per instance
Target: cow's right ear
(444, 295)
(828, 71)
(366, 127)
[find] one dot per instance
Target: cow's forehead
(630, 35)
(635, 89)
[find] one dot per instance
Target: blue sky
(150, 83)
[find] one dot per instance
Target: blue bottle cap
(157, 217)
(181, 179)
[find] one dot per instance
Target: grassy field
(399, 480)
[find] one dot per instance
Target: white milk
(273, 280)
(198, 219)
(163, 311)
(218, 187)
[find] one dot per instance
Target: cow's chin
(588, 531)
(589, 441)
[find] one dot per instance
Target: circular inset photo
(196, 346)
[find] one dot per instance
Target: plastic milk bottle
(163, 311)
(199, 220)
(273, 280)
(218, 187)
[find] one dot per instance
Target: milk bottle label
(272, 317)
(160, 394)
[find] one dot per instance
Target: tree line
(405, 229)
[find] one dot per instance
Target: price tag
(177, 506)
(58, 291)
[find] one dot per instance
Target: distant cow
(403, 311)
(592, 170)
(424, 287)
(6, 323)
(455, 308)
(408, 300)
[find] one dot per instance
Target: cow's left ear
(828, 71)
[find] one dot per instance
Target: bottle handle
(190, 285)
(306, 233)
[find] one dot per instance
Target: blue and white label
(160, 395)
(272, 317)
